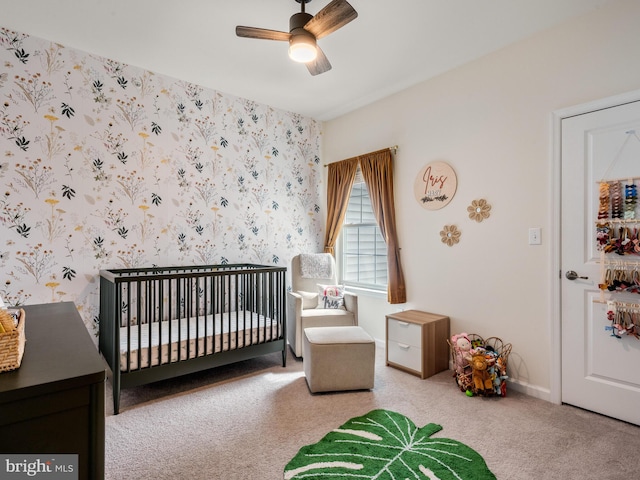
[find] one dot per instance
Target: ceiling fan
(304, 31)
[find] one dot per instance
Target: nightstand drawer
(403, 354)
(405, 332)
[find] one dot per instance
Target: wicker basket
(12, 345)
(464, 378)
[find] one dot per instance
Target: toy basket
(497, 354)
(12, 341)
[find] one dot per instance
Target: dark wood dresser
(54, 403)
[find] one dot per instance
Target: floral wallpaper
(106, 165)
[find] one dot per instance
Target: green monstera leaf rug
(386, 445)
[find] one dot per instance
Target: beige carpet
(246, 421)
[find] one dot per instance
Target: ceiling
(389, 47)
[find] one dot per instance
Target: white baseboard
(531, 390)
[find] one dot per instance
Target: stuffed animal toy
(461, 348)
(501, 368)
(479, 374)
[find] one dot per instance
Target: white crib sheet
(258, 329)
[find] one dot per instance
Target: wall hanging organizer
(624, 318)
(618, 241)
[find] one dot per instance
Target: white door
(600, 372)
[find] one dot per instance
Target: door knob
(571, 275)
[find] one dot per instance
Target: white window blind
(364, 252)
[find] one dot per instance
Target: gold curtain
(377, 173)
(339, 182)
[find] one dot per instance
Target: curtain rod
(394, 149)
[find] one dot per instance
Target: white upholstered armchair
(305, 302)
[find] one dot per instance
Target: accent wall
(106, 165)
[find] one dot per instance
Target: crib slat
(195, 314)
(139, 329)
(184, 321)
(148, 318)
(181, 305)
(129, 328)
(246, 304)
(214, 311)
(169, 317)
(234, 307)
(160, 318)
(226, 288)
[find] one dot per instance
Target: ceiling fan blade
(262, 33)
(320, 64)
(335, 15)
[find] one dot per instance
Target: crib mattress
(181, 339)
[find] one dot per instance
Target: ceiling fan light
(302, 48)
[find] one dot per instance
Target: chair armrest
(351, 304)
(294, 300)
(294, 329)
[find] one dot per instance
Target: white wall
(491, 121)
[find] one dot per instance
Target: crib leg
(115, 384)
(284, 357)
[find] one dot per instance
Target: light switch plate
(535, 236)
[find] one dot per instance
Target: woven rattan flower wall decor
(450, 235)
(479, 210)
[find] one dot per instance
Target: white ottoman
(338, 358)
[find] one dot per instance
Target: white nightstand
(417, 342)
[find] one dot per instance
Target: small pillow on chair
(309, 299)
(331, 296)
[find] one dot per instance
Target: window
(364, 251)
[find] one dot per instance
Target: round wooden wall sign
(435, 185)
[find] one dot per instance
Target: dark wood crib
(161, 322)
